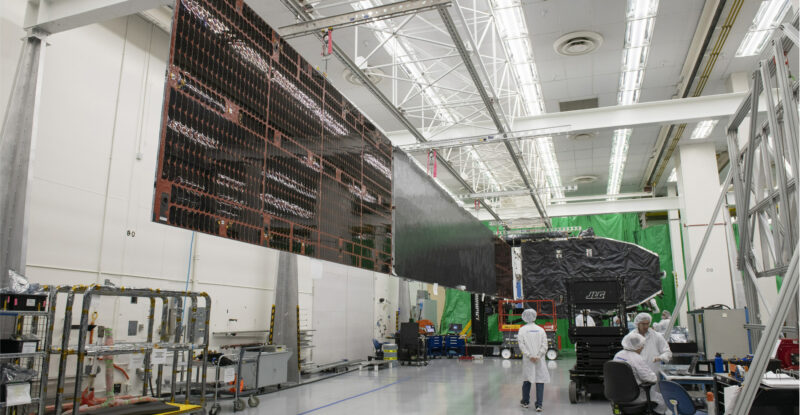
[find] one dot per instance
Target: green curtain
(656, 239)
(495, 335)
(456, 309)
(619, 226)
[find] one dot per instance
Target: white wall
(92, 190)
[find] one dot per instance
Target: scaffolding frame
(763, 171)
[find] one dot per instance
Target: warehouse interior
(341, 206)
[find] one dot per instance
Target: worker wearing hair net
(656, 349)
(533, 345)
(663, 325)
(633, 344)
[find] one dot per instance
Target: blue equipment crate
(435, 346)
(455, 346)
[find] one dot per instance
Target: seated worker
(633, 344)
(583, 319)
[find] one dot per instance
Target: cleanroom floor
(491, 386)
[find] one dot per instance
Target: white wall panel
(330, 316)
(64, 226)
(360, 313)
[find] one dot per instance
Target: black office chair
(621, 389)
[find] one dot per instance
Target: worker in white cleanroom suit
(665, 322)
(533, 345)
(633, 344)
(656, 349)
(580, 320)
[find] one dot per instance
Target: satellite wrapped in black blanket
(548, 264)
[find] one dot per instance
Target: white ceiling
(595, 75)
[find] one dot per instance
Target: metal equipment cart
(510, 321)
(25, 318)
(594, 345)
(173, 336)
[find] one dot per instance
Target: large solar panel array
(257, 146)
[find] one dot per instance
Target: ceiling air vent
(582, 136)
(584, 179)
(578, 43)
(580, 104)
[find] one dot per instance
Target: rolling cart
(411, 347)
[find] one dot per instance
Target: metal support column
(696, 261)
(17, 142)
(286, 331)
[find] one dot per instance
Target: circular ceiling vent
(582, 136)
(578, 43)
(584, 179)
(373, 74)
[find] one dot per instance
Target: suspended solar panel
(257, 146)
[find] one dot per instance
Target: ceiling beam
(506, 193)
(650, 204)
(58, 16)
(603, 197)
(619, 116)
(489, 103)
(298, 10)
(492, 138)
(360, 17)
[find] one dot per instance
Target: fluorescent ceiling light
(641, 9)
(619, 154)
(509, 19)
(641, 21)
(769, 16)
(544, 146)
(673, 176)
(703, 129)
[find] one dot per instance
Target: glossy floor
(492, 386)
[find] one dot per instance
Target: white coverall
(533, 343)
(642, 373)
(662, 325)
(655, 346)
(579, 321)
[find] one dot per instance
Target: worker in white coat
(666, 319)
(656, 349)
(533, 345)
(633, 343)
(581, 321)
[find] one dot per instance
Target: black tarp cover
(547, 264)
(435, 240)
